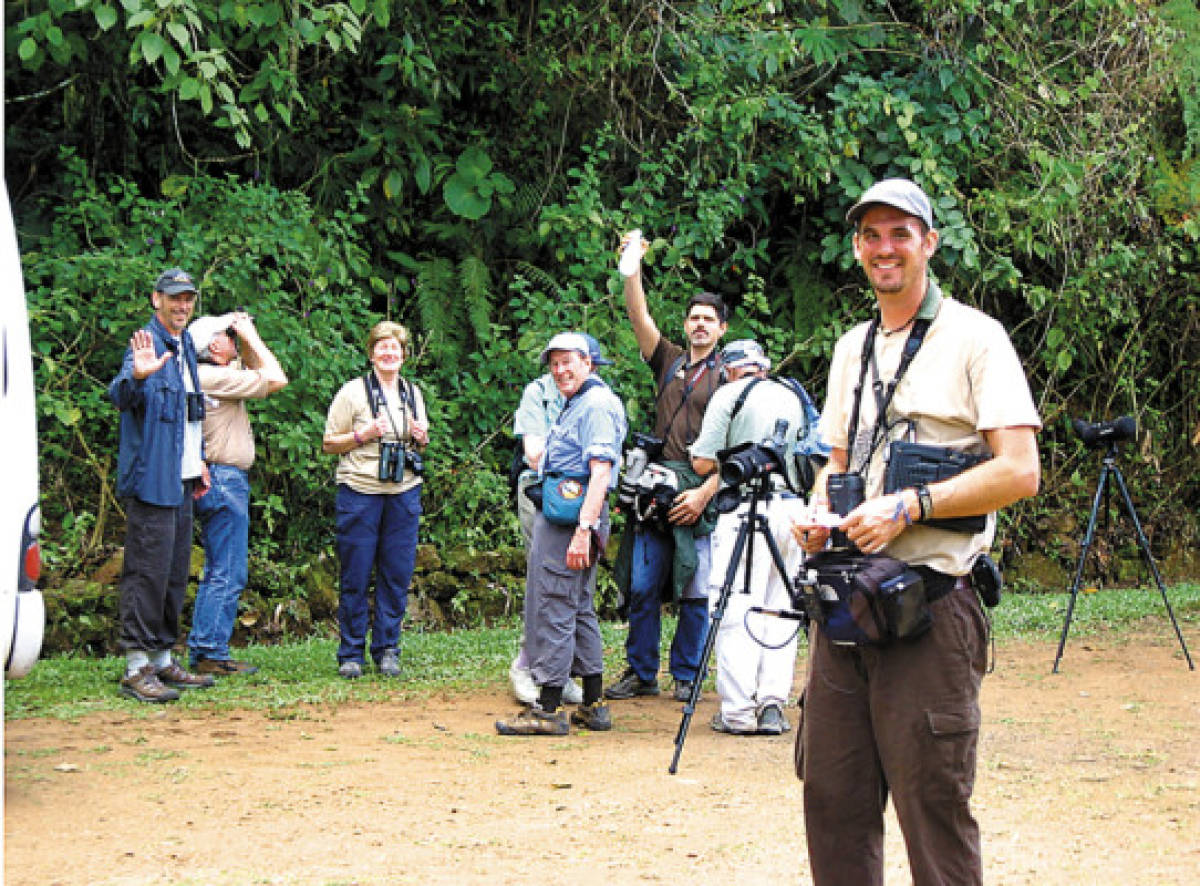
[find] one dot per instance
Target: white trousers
(756, 654)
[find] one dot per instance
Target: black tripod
(1110, 467)
(751, 521)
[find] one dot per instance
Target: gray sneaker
(771, 721)
(631, 685)
(350, 670)
(389, 663)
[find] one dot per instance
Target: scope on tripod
(1101, 433)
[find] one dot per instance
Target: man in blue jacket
(160, 469)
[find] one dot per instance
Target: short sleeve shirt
(677, 418)
(351, 411)
(540, 404)
(767, 403)
(966, 378)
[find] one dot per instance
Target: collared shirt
(359, 467)
(677, 418)
(541, 402)
(767, 403)
(966, 378)
(153, 420)
(591, 426)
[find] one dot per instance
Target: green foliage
(89, 280)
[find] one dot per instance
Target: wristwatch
(925, 500)
(586, 525)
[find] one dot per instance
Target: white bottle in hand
(631, 255)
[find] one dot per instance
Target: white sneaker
(572, 693)
(523, 687)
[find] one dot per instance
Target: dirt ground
(1088, 776)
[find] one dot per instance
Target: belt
(939, 584)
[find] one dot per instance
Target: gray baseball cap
(173, 281)
(898, 192)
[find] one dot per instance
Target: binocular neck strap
(375, 396)
(882, 399)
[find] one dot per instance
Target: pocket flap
(953, 722)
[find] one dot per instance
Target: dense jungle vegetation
(467, 168)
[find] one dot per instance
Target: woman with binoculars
(375, 426)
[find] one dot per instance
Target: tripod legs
(1110, 467)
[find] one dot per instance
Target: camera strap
(883, 396)
(710, 363)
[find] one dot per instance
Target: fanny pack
(562, 497)
(865, 600)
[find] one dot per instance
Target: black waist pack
(911, 464)
(865, 600)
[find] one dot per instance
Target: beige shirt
(351, 411)
(966, 378)
(228, 439)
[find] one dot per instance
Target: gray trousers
(562, 634)
(904, 720)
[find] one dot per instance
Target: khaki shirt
(351, 411)
(966, 378)
(228, 439)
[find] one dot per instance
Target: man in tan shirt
(903, 719)
(224, 513)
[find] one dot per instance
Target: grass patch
(296, 675)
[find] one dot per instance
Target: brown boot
(174, 675)
(144, 685)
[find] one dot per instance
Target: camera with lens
(649, 498)
(195, 406)
(645, 449)
(749, 461)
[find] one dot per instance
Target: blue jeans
(374, 533)
(650, 571)
(224, 516)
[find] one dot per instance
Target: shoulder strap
(741, 400)
(911, 345)
(370, 395)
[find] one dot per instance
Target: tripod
(1110, 467)
(750, 522)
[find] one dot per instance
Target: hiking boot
(719, 724)
(389, 663)
(594, 716)
(144, 685)
(683, 690)
(771, 721)
(572, 693)
(223, 667)
(631, 685)
(174, 675)
(350, 670)
(532, 720)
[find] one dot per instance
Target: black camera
(1101, 433)
(195, 407)
(749, 461)
(846, 492)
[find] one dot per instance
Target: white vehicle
(22, 610)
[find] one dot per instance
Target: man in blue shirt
(562, 634)
(540, 405)
(160, 468)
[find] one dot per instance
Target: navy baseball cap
(173, 281)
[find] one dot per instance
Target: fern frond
(476, 282)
